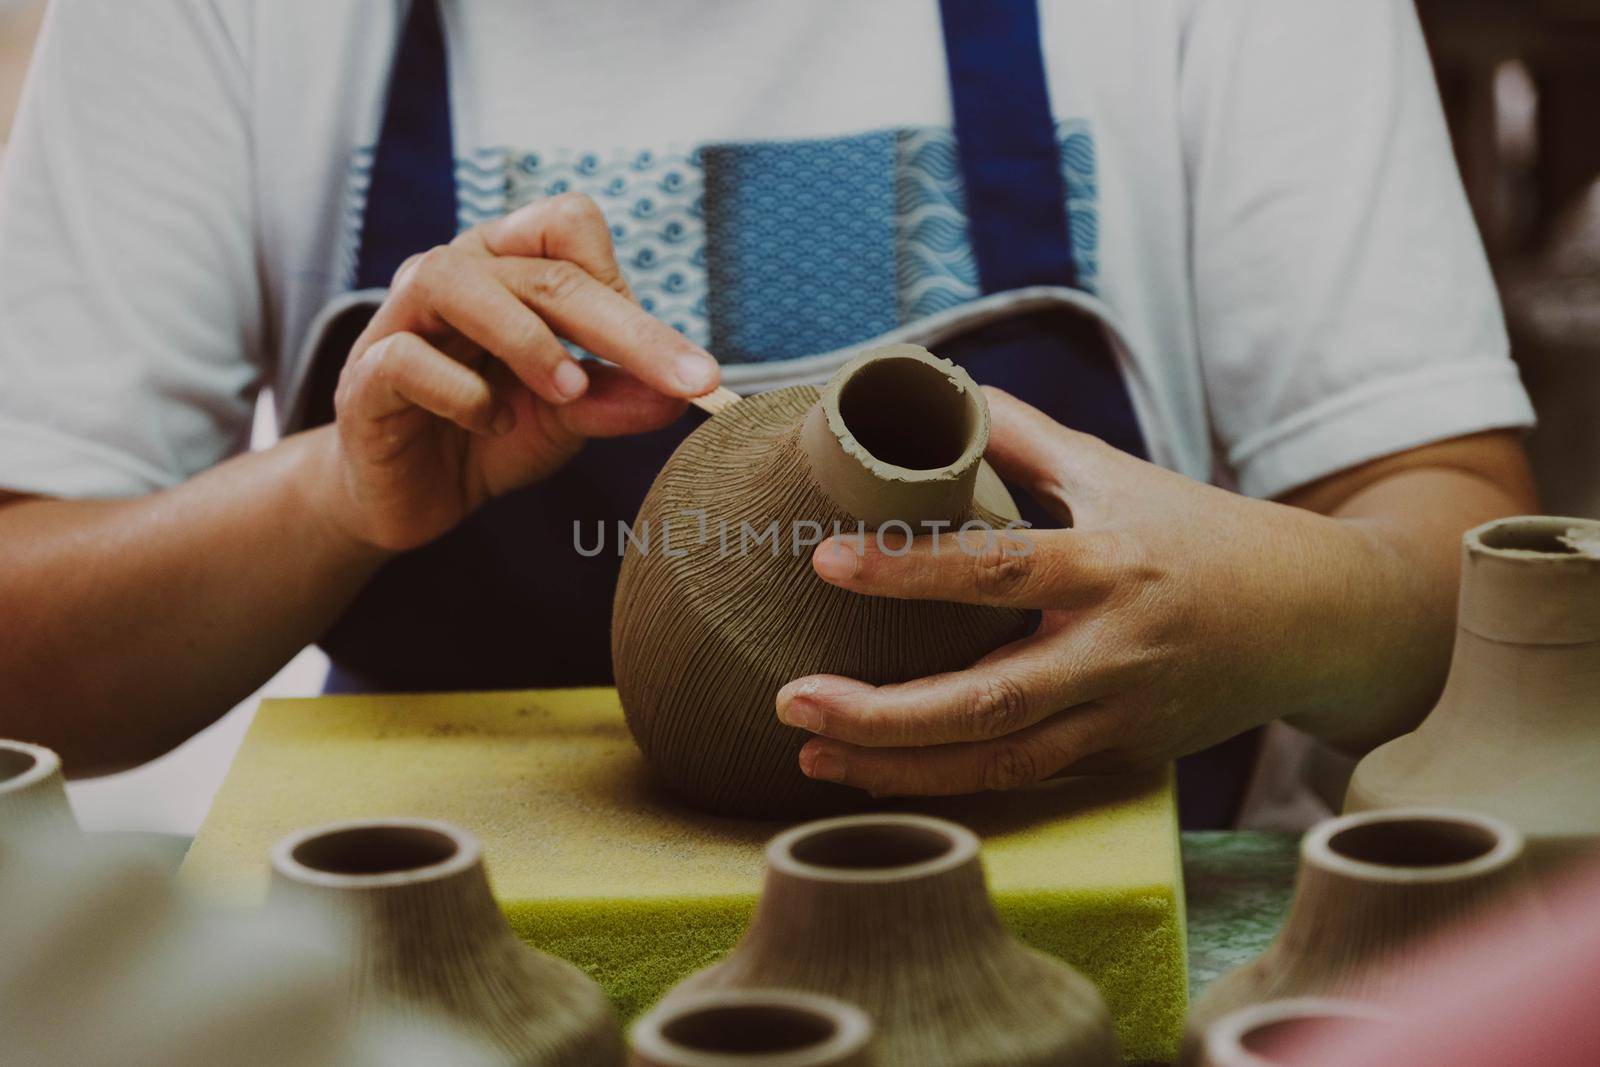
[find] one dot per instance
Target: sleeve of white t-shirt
(1344, 304)
(130, 302)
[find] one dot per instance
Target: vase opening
(887, 847)
(909, 413)
(1414, 842)
(1549, 538)
(1278, 1039)
(15, 762)
(750, 1028)
(375, 849)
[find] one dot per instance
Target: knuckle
(576, 208)
(1011, 766)
(998, 572)
(427, 273)
(555, 281)
(998, 707)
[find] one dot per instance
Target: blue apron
(487, 606)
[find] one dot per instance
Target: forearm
(128, 625)
(1407, 514)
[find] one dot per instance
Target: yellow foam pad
(590, 863)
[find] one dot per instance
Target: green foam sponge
(589, 862)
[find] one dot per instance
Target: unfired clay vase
(429, 937)
(754, 1027)
(891, 913)
(1279, 1032)
(33, 794)
(1516, 732)
(1372, 888)
(709, 624)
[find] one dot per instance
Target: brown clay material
(753, 1028)
(890, 912)
(33, 793)
(1372, 887)
(1516, 732)
(429, 940)
(1273, 1033)
(709, 624)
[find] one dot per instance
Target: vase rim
(1505, 847)
(964, 385)
(960, 846)
(1552, 539)
(45, 763)
(1225, 1039)
(850, 1028)
(466, 852)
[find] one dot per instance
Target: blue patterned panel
(651, 198)
(799, 245)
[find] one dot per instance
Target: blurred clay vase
(1516, 732)
(891, 913)
(753, 1027)
(429, 940)
(720, 608)
(1282, 1032)
(33, 793)
(1372, 888)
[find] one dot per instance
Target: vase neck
(1532, 581)
(898, 435)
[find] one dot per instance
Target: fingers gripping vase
(1372, 888)
(429, 938)
(1516, 732)
(754, 1028)
(33, 793)
(719, 607)
(891, 913)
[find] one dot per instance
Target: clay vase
(1516, 732)
(1281, 1032)
(709, 623)
(754, 1027)
(891, 913)
(33, 793)
(1372, 888)
(429, 940)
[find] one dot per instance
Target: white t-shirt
(1261, 193)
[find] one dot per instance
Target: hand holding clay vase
(33, 793)
(891, 913)
(710, 622)
(1282, 1032)
(1516, 732)
(429, 937)
(1372, 888)
(754, 1028)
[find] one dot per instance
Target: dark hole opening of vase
(14, 763)
(871, 847)
(749, 1028)
(908, 414)
(375, 850)
(1286, 1037)
(1529, 538)
(1414, 842)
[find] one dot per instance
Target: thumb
(1058, 466)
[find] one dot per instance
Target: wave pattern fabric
(770, 250)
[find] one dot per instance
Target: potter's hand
(459, 390)
(1175, 615)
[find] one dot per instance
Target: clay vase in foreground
(1284, 1031)
(753, 1027)
(891, 913)
(1516, 732)
(33, 793)
(429, 939)
(1373, 888)
(720, 608)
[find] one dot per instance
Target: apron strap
(411, 203)
(1006, 142)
